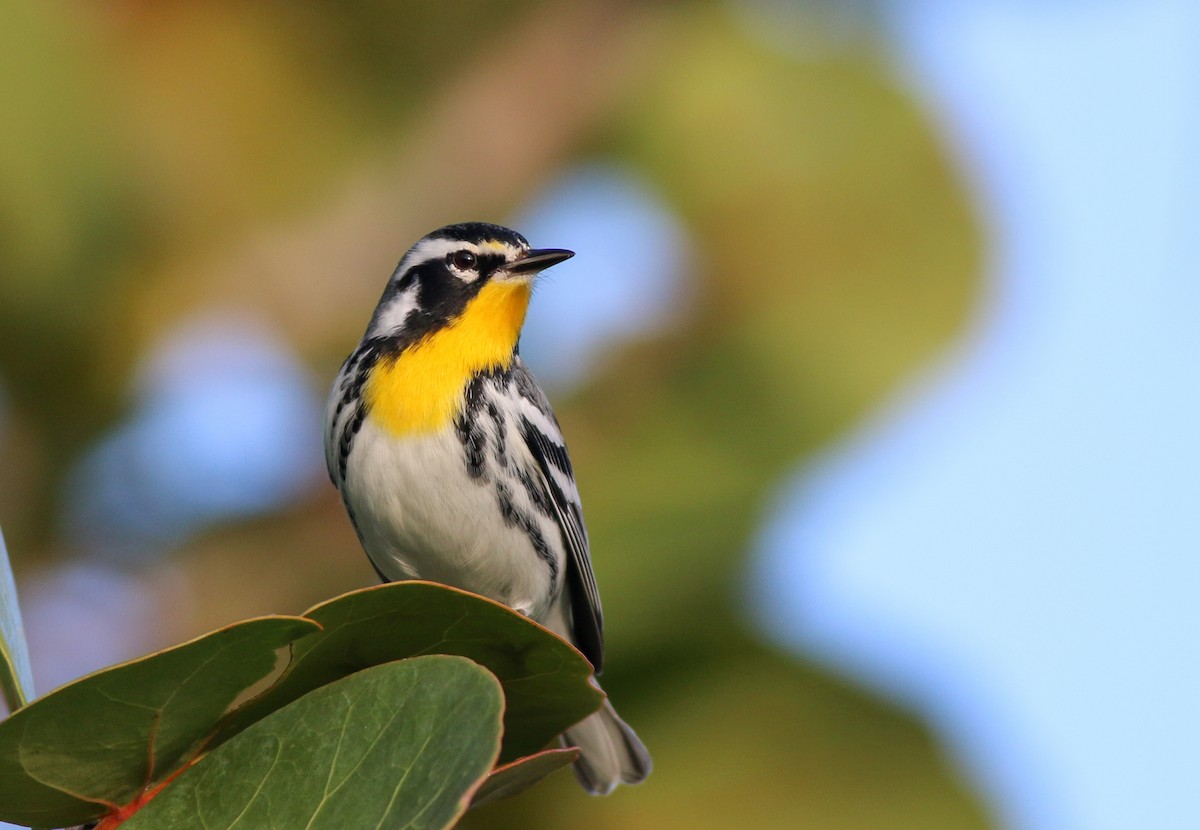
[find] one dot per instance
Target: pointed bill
(538, 259)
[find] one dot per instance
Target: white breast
(421, 516)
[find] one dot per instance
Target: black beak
(539, 259)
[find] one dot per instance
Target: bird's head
(455, 268)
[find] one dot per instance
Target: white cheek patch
(391, 317)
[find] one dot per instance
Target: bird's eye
(462, 260)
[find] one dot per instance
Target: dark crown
(478, 232)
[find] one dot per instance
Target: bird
(453, 467)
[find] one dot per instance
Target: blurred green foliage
(281, 156)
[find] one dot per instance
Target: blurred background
(876, 363)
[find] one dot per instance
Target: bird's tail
(609, 752)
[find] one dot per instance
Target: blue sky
(1010, 546)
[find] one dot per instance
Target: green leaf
(16, 678)
(545, 679)
(400, 745)
(516, 777)
(98, 742)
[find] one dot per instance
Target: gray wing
(541, 434)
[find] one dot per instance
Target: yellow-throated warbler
(452, 465)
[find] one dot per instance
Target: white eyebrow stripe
(391, 317)
(431, 249)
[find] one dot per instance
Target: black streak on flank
(350, 385)
(537, 495)
(356, 372)
(353, 425)
(470, 431)
(501, 434)
(515, 517)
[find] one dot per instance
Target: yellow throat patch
(421, 390)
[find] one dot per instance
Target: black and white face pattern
(440, 274)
